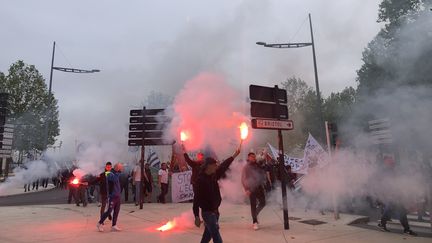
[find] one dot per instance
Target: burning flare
(183, 136)
(243, 131)
(75, 181)
(167, 226)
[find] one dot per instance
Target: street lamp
(299, 45)
(63, 69)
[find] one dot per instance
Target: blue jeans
(114, 205)
(211, 227)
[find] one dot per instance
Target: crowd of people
(259, 176)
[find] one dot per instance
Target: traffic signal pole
(281, 167)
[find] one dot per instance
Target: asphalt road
(48, 197)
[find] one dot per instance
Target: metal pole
(281, 167)
(52, 65)
(316, 81)
(334, 197)
(142, 162)
(49, 99)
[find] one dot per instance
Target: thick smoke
(33, 171)
(210, 112)
(359, 170)
(91, 158)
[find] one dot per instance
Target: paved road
(48, 197)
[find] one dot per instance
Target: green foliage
(339, 106)
(303, 110)
(32, 108)
(400, 55)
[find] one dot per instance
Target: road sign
(267, 94)
(6, 136)
(380, 132)
(272, 124)
(150, 119)
(5, 151)
(149, 112)
(151, 141)
(5, 142)
(265, 110)
(153, 134)
(148, 127)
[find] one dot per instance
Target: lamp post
(300, 45)
(63, 69)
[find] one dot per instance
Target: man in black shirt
(253, 180)
(209, 197)
(195, 165)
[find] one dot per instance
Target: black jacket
(103, 185)
(253, 176)
(195, 165)
(208, 193)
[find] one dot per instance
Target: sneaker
(99, 226)
(255, 226)
(115, 228)
(383, 227)
(410, 232)
(197, 222)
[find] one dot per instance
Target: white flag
(314, 154)
(297, 165)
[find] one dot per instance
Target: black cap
(108, 163)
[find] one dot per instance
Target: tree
(157, 100)
(338, 106)
(31, 107)
(302, 110)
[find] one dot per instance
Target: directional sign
(264, 110)
(150, 119)
(149, 112)
(153, 134)
(267, 94)
(6, 136)
(139, 127)
(153, 141)
(6, 130)
(5, 151)
(5, 142)
(6, 147)
(272, 124)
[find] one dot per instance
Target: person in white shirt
(136, 177)
(163, 182)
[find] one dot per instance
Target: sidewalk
(9, 191)
(68, 223)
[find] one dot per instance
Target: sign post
(271, 112)
(146, 128)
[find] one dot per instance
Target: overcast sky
(141, 46)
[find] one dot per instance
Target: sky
(142, 46)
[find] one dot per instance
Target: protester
(124, 183)
(136, 177)
(148, 182)
(253, 180)
(114, 198)
(209, 197)
(163, 182)
(73, 191)
(103, 188)
(398, 208)
(195, 165)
